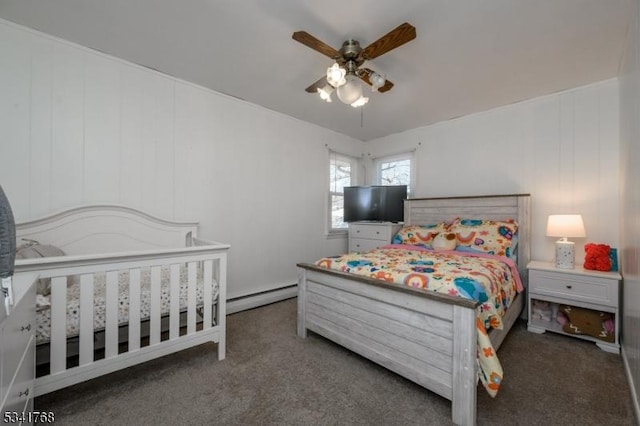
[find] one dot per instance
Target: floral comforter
(493, 281)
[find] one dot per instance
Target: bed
(381, 319)
(118, 287)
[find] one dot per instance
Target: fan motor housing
(351, 51)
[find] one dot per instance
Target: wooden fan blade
(317, 45)
(318, 84)
(365, 77)
(387, 86)
(395, 38)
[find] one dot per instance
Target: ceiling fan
(345, 73)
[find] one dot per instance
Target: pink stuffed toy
(597, 257)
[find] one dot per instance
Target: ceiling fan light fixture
(336, 75)
(325, 92)
(351, 91)
(360, 102)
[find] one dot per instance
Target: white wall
(563, 149)
(78, 126)
(630, 202)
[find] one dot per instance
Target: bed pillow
(35, 250)
(511, 253)
(485, 236)
(419, 235)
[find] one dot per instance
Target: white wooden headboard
(421, 211)
(96, 229)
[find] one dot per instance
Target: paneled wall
(78, 126)
(630, 206)
(563, 149)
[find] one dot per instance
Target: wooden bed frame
(111, 239)
(426, 337)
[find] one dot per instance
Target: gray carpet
(271, 377)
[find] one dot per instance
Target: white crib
(107, 244)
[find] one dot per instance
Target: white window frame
(355, 165)
(397, 157)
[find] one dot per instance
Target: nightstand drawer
(573, 287)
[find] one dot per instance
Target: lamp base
(565, 254)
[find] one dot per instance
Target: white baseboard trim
(634, 395)
(260, 299)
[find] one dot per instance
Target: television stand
(367, 235)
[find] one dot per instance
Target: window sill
(337, 234)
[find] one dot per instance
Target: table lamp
(565, 226)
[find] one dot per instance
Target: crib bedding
(491, 280)
(43, 301)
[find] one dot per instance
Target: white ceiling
(468, 56)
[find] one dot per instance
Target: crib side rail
(205, 263)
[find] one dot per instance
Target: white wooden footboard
(212, 260)
(428, 338)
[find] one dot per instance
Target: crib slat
(86, 318)
(58, 338)
(111, 312)
(174, 306)
(191, 299)
(207, 293)
(134, 309)
(154, 309)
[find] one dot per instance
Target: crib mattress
(43, 302)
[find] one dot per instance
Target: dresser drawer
(371, 232)
(360, 244)
(21, 391)
(574, 287)
(17, 331)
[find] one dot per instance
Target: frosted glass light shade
(325, 92)
(335, 75)
(377, 81)
(360, 102)
(351, 91)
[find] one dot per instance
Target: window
(342, 172)
(396, 170)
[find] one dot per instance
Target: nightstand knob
(569, 286)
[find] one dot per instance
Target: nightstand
(594, 290)
(365, 236)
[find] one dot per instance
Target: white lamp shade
(566, 226)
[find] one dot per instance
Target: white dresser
(17, 351)
(365, 236)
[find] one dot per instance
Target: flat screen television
(384, 203)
